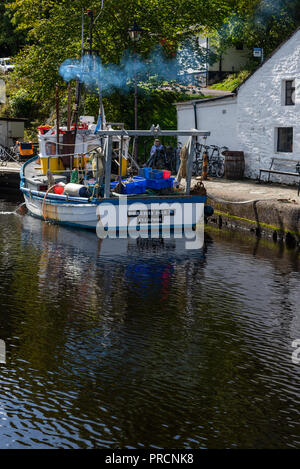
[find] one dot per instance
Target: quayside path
(265, 209)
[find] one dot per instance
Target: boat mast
(78, 85)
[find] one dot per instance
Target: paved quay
(271, 210)
(10, 176)
(10, 167)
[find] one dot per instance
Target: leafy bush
(22, 105)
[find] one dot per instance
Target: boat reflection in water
(77, 256)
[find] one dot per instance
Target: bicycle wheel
(220, 170)
(195, 170)
(199, 168)
(213, 169)
(3, 161)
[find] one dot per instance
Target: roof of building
(205, 100)
(17, 119)
(267, 58)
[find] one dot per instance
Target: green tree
(53, 30)
(257, 23)
(10, 40)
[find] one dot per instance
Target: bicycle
(198, 160)
(7, 155)
(216, 161)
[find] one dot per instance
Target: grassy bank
(232, 81)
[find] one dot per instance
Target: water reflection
(140, 343)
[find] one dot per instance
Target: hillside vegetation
(231, 82)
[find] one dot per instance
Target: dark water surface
(130, 344)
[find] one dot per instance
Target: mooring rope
(14, 212)
(216, 199)
(44, 200)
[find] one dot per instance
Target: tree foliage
(10, 40)
(51, 32)
(257, 23)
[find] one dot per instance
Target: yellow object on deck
(54, 163)
(124, 166)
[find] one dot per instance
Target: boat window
(50, 148)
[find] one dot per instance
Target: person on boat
(96, 158)
(157, 146)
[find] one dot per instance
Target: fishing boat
(87, 186)
(81, 175)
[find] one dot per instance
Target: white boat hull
(81, 215)
(131, 215)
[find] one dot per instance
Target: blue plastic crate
(156, 174)
(160, 183)
(145, 172)
(137, 186)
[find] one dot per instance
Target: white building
(262, 116)
(231, 61)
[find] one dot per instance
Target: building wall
(233, 60)
(3, 133)
(185, 119)
(218, 117)
(10, 131)
(261, 109)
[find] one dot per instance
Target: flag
(98, 126)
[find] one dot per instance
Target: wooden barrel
(234, 164)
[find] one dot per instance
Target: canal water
(142, 344)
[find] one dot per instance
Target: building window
(290, 92)
(285, 139)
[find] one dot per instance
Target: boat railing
(155, 131)
(108, 136)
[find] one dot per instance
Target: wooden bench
(284, 164)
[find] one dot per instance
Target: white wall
(218, 117)
(233, 60)
(261, 109)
